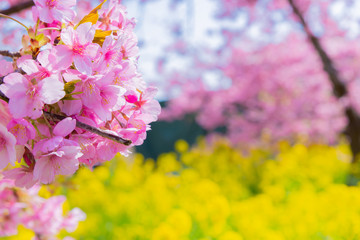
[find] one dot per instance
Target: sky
(155, 22)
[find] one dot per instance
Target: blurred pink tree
(304, 85)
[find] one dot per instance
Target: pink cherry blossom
(45, 217)
(98, 93)
(115, 18)
(78, 47)
(48, 64)
(146, 104)
(22, 176)
(129, 47)
(66, 78)
(27, 97)
(64, 127)
(107, 149)
(72, 219)
(56, 156)
(7, 148)
(109, 54)
(135, 131)
(22, 130)
(5, 115)
(71, 107)
(51, 10)
(48, 217)
(126, 75)
(87, 143)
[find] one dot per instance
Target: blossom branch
(82, 125)
(6, 53)
(18, 8)
(2, 96)
(92, 129)
(339, 88)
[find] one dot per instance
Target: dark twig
(339, 88)
(18, 8)
(92, 129)
(6, 53)
(3, 97)
(82, 125)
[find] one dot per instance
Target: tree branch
(18, 8)
(82, 125)
(3, 97)
(6, 53)
(339, 88)
(92, 129)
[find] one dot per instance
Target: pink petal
(5, 116)
(64, 15)
(62, 57)
(3, 159)
(65, 127)
(7, 147)
(35, 108)
(44, 170)
(103, 113)
(114, 95)
(20, 150)
(46, 145)
(20, 107)
(5, 68)
(153, 107)
(72, 219)
(68, 166)
(43, 58)
(150, 93)
(68, 36)
(85, 33)
(22, 176)
(70, 107)
(51, 90)
(92, 49)
(14, 82)
(66, 3)
(45, 15)
(29, 66)
(40, 3)
(83, 64)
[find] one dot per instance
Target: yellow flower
(218, 192)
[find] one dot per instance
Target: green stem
(6, 16)
(37, 26)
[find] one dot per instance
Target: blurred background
(248, 70)
(259, 135)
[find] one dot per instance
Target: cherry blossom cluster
(273, 87)
(44, 217)
(277, 92)
(72, 95)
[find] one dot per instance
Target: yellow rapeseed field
(218, 192)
